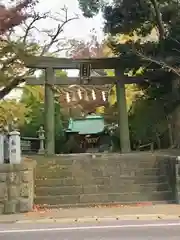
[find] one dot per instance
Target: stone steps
(67, 164)
(87, 199)
(95, 172)
(83, 179)
(70, 181)
(101, 189)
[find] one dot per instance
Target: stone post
(14, 147)
(1, 145)
(6, 144)
(122, 114)
(49, 112)
(177, 168)
(41, 139)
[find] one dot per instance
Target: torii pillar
(49, 111)
(122, 113)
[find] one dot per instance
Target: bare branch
(27, 44)
(35, 17)
(61, 49)
(159, 62)
(60, 28)
(159, 21)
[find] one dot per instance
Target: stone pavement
(142, 212)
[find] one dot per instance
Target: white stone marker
(14, 147)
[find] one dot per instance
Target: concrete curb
(97, 219)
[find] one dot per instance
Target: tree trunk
(170, 132)
(158, 141)
(12, 85)
(159, 21)
(176, 114)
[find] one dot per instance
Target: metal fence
(31, 145)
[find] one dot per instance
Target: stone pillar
(49, 113)
(122, 114)
(1, 146)
(14, 147)
(6, 144)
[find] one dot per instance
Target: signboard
(85, 73)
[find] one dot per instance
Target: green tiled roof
(91, 124)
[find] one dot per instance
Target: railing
(32, 145)
(147, 146)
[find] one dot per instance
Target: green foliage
(90, 7)
(13, 111)
(33, 98)
(156, 24)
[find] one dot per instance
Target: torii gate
(85, 66)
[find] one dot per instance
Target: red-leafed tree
(89, 49)
(25, 40)
(13, 16)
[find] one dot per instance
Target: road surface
(114, 230)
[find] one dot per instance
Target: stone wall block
(3, 191)
(90, 189)
(10, 207)
(14, 177)
(17, 187)
(4, 168)
(93, 198)
(25, 176)
(3, 177)
(1, 208)
(13, 192)
(20, 167)
(24, 190)
(25, 205)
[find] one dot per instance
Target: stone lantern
(41, 136)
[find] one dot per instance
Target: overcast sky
(76, 29)
(79, 29)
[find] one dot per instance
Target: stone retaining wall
(16, 187)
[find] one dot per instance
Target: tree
(156, 26)
(13, 48)
(13, 16)
(33, 99)
(92, 48)
(90, 7)
(12, 111)
(141, 17)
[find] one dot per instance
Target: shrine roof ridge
(70, 63)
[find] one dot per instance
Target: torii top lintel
(69, 63)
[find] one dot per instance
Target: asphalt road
(115, 230)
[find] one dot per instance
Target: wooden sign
(85, 73)
(92, 140)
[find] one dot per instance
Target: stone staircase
(84, 180)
